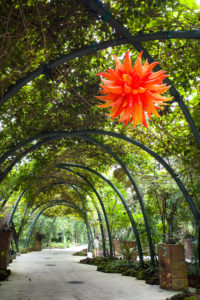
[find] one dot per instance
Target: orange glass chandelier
(133, 92)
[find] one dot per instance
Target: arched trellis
(98, 8)
(53, 203)
(102, 206)
(139, 195)
(92, 49)
(89, 231)
(134, 227)
(84, 134)
(85, 209)
(62, 181)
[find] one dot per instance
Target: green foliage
(62, 99)
(127, 252)
(125, 268)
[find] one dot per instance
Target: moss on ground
(81, 253)
(125, 268)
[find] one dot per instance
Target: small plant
(81, 253)
(127, 252)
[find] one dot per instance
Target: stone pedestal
(37, 245)
(172, 267)
(5, 239)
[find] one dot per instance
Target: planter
(172, 267)
(37, 245)
(5, 239)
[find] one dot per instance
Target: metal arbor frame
(84, 134)
(47, 137)
(92, 49)
(61, 181)
(102, 206)
(90, 241)
(54, 203)
(139, 195)
(98, 8)
(134, 227)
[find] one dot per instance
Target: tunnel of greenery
(68, 171)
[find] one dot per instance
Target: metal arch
(139, 195)
(152, 153)
(62, 181)
(20, 196)
(22, 193)
(137, 192)
(102, 206)
(107, 149)
(86, 217)
(57, 202)
(25, 212)
(92, 49)
(134, 227)
(82, 133)
(100, 10)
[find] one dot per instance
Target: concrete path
(57, 275)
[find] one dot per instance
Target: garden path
(57, 275)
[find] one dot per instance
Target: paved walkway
(56, 275)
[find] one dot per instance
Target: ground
(54, 274)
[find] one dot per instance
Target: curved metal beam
(134, 227)
(62, 181)
(138, 193)
(82, 133)
(92, 49)
(178, 181)
(56, 202)
(102, 206)
(85, 209)
(19, 198)
(108, 150)
(100, 10)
